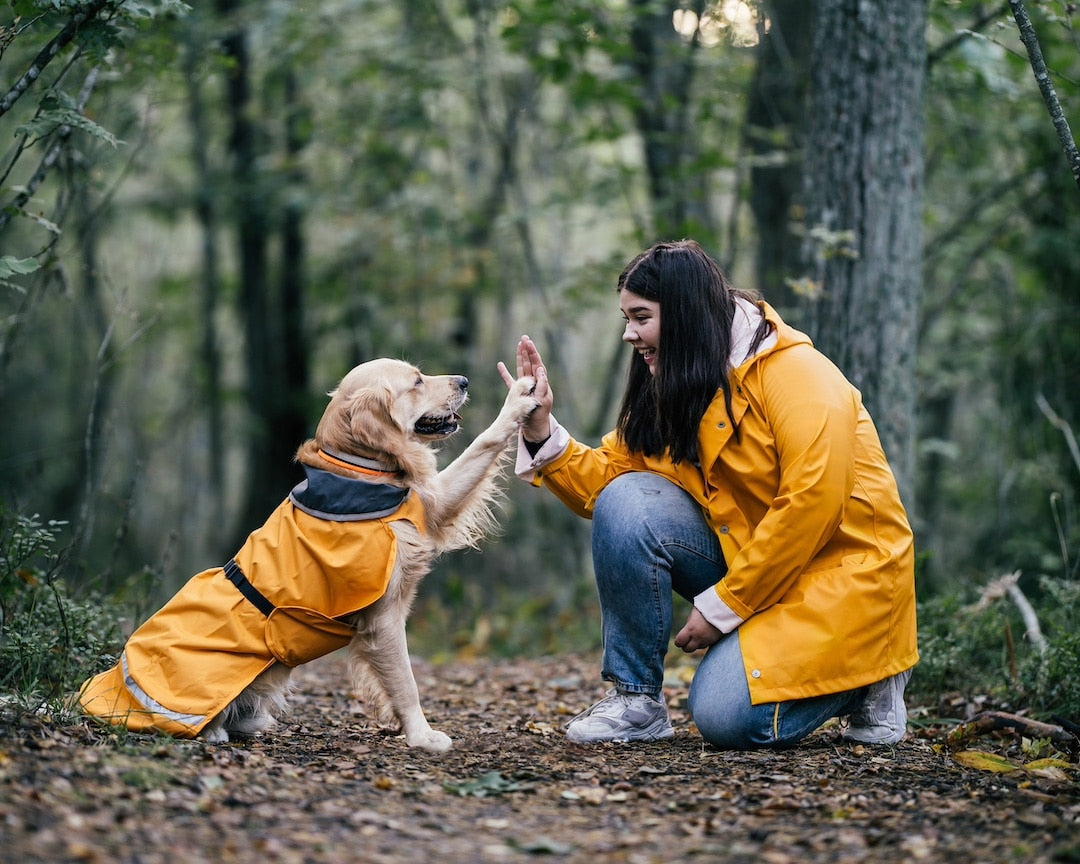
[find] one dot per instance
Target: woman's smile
(642, 329)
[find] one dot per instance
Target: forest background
(210, 213)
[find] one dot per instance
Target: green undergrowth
(50, 639)
(973, 647)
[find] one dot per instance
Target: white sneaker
(621, 717)
(882, 718)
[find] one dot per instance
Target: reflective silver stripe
(156, 707)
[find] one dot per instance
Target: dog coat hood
(326, 552)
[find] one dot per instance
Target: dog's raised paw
(519, 401)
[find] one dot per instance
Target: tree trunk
(263, 482)
(774, 125)
(664, 67)
(292, 426)
(209, 361)
(863, 188)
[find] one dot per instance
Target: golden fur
(388, 412)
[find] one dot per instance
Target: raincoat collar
(716, 428)
(345, 499)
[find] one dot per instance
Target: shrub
(49, 640)
(983, 650)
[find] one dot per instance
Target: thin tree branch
(51, 155)
(1046, 87)
(1008, 585)
(993, 721)
(49, 52)
(25, 139)
(980, 22)
(1058, 423)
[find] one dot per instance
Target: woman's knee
(729, 722)
(621, 514)
(727, 730)
(722, 721)
(720, 705)
(646, 504)
(626, 495)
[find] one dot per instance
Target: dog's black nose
(462, 382)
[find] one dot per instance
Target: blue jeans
(650, 538)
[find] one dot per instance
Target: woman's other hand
(696, 633)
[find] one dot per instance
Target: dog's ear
(371, 419)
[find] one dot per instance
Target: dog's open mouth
(437, 425)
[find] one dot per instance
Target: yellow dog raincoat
(326, 552)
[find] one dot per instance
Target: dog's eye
(419, 382)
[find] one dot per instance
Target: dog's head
(388, 407)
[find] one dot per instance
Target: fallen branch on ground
(996, 721)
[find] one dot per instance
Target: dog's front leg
(386, 652)
(458, 481)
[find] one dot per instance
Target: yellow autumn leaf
(1050, 769)
(982, 761)
(28, 577)
(1050, 762)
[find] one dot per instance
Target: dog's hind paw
(431, 740)
(215, 735)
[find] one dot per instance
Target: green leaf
(12, 266)
(486, 785)
(58, 109)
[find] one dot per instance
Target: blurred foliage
(1000, 319)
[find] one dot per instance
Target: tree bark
(209, 355)
(292, 427)
(863, 192)
(665, 71)
(774, 124)
(263, 482)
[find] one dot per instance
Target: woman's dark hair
(662, 412)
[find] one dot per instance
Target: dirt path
(330, 787)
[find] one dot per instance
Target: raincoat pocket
(297, 635)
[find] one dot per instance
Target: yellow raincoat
(818, 547)
(327, 551)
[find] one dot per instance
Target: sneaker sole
(872, 736)
(635, 735)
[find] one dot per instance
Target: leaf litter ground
(329, 786)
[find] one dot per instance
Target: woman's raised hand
(529, 362)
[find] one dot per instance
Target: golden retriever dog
(337, 564)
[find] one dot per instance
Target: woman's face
(642, 331)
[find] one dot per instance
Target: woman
(745, 474)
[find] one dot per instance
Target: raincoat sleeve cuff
(716, 611)
(527, 464)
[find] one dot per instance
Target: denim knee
(727, 720)
(752, 728)
(622, 503)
